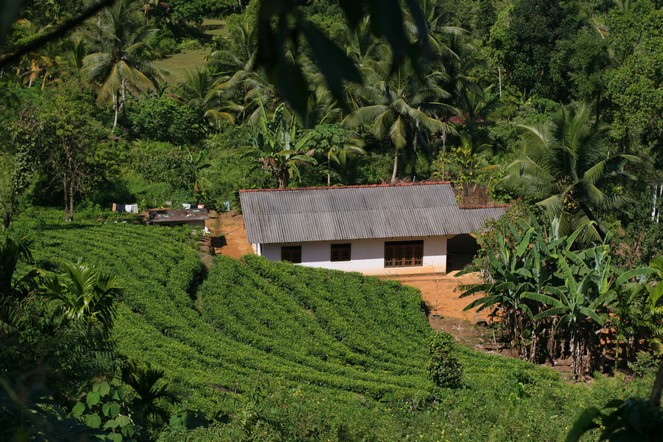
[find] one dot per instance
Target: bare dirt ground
(228, 235)
(441, 293)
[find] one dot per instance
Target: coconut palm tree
(239, 86)
(118, 66)
(199, 90)
(567, 166)
(397, 107)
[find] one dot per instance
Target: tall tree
(397, 107)
(119, 66)
(69, 147)
(566, 165)
(18, 162)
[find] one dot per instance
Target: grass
(215, 28)
(175, 66)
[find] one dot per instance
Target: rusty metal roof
(158, 216)
(357, 212)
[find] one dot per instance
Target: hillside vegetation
(279, 352)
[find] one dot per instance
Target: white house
(373, 229)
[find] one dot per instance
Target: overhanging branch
(60, 32)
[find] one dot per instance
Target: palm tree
(240, 87)
(199, 90)
(143, 378)
(397, 107)
(567, 166)
(118, 65)
(86, 297)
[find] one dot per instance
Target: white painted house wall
(367, 255)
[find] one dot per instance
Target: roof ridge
(356, 186)
(486, 206)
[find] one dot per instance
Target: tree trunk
(444, 153)
(499, 79)
(329, 169)
(124, 97)
(395, 171)
(655, 398)
(71, 200)
(552, 348)
(65, 189)
(654, 194)
(658, 209)
(6, 220)
(116, 109)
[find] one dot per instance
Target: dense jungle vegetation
(118, 329)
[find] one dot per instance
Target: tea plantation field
(272, 351)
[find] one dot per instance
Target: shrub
(444, 368)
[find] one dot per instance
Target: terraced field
(283, 352)
(329, 330)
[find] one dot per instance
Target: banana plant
(276, 147)
(522, 263)
(591, 289)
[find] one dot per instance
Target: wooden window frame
(404, 254)
(341, 252)
(291, 254)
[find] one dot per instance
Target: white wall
(367, 255)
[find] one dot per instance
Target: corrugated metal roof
(357, 212)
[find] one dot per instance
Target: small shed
(170, 217)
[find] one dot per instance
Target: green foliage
(279, 148)
(18, 162)
(624, 420)
(466, 165)
(27, 412)
(186, 12)
(86, 297)
(444, 368)
(104, 409)
(118, 63)
(162, 119)
(566, 164)
(546, 292)
(529, 44)
(279, 23)
(143, 378)
(341, 356)
(634, 85)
